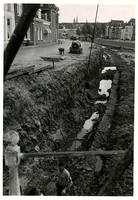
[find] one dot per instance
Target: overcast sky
(87, 12)
(86, 9)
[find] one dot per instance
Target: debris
(88, 169)
(99, 164)
(37, 148)
(63, 57)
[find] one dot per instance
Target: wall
(128, 32)
(9, 22)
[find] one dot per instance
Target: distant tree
(84, 30)
(100, 30)
(61, 26)
(89, 28)
(78, 31)
(69, 26)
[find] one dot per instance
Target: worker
(64, 181)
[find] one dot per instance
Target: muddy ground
(44, 104)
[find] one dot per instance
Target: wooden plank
(55, 59)
(19, 72)
(62, 57)
(73, 153)
(41, 69)
(29, 69)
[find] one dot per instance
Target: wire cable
(92, 39)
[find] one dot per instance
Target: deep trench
(58, 102)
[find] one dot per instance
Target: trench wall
(39, 105)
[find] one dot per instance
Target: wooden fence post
(12, 160)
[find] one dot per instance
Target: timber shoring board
(53, 59)
(27, 70)
(19, 72)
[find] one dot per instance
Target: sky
(88, 11)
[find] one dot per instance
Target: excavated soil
(48, 110)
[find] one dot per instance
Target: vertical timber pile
(120, 168)
(12, 160)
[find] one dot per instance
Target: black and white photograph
(68, 111)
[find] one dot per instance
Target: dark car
(73, 37)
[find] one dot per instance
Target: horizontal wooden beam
(73, 153)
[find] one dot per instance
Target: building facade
(50, 11)
(9, 22)
(113, 29)
(43, 29)
(117, 29)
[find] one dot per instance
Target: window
(41, 35)
(8, 28)
(132, 24)
(19, 9)
(46, 16)
(9, 7)
(126, 29)
(8, 22)
(38, 32)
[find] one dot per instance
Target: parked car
(73, 37)
(106, 37)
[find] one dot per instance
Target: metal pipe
(75, 153)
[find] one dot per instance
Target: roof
(131, 20)
(116, 21)
(50, 6)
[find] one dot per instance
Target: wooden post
(120, 168)
(12, 160)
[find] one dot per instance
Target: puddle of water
(108, 68)
(95, 115)
(82, 133)
(75, 145)
(103, 102)
(104, 86)
(87, 127)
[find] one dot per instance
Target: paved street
(121, 43)
(30, 55)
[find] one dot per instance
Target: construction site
(78, 108)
